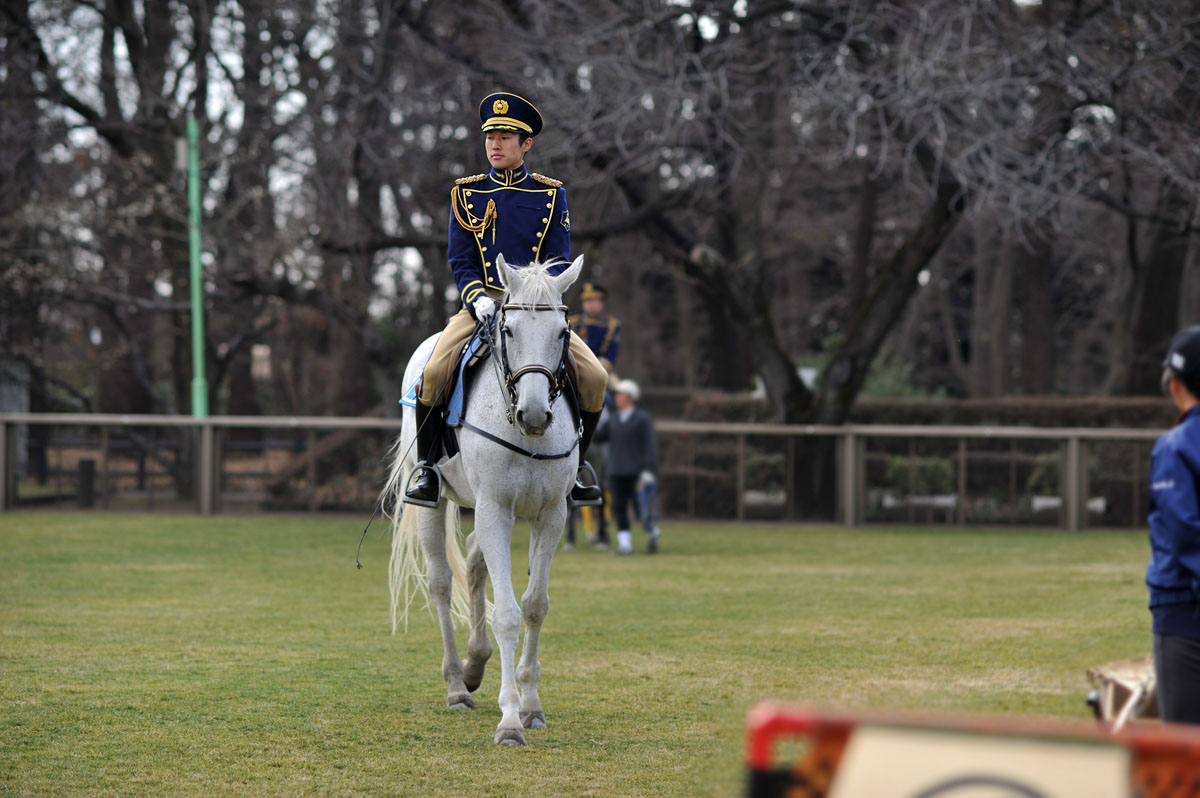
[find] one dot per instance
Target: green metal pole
(199, 384)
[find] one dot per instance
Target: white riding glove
(646, 479)
(485, 308)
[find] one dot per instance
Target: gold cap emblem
(500, 107)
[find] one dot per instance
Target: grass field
(192, 656)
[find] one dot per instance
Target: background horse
(528, 475)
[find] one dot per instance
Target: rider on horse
(523, 216)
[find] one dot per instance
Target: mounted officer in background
(597, 327)
(522, 215)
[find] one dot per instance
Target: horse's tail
(406, 569)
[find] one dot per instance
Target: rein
(513, 447)
(508, 378)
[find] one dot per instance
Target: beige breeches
(592, 377)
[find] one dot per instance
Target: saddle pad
(470, 355)
(410, 397)
(454, 407)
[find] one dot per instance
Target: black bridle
(557, 377)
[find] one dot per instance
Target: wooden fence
(686, 444)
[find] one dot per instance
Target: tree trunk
(856, 285)
(890, 292)
(1039, 355)
(1157, 300)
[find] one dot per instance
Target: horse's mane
(535, 284)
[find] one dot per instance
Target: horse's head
(534, 336)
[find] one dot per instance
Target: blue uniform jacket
(515, 212)
(1173, 575)
(601, 333)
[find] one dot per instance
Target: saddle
(467, 366)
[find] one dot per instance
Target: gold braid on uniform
(613, 324)
(549, 181)
(489, 216)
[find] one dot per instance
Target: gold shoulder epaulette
(550, 181)
(469, 179)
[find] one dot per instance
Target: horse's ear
(569, 275)
(505, 271)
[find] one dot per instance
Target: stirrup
(437, 475)
(596, 502)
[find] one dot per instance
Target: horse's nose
(529, 426)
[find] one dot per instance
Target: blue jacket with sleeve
(1173, 575)
(518, 213)
(601, 333)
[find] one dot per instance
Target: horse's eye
(508, 333)
(566, 333)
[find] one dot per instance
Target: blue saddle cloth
(454, 407)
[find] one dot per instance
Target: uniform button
(549, 192)
(484, 249)
(487, 263)
(534, 249)
(470, 205)
(549, 205)
(468, 192)
(545, 220)
(539, 235)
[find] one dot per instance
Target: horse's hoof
(460, 701)
(473, 675)
(510, 737)
(535, 719)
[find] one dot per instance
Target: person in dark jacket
(632, 463)
(1173, 575)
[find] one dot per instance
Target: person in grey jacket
(632, 463)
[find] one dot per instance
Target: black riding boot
(425, 486)
(583, 494)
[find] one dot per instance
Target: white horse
(512, 462)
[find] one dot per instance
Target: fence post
(87, 482)
(104, 487)
(1085, 486)
(790, 477)
(310, 438)
(206, 469)
(5, 466)
(691, 474)
(220, 435)
(1070, 484)
(848, 483)
(741, 477)
(960, 504)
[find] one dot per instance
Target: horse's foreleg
(493, 534)
(441, 581)
(479, 646)
(534, 606)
